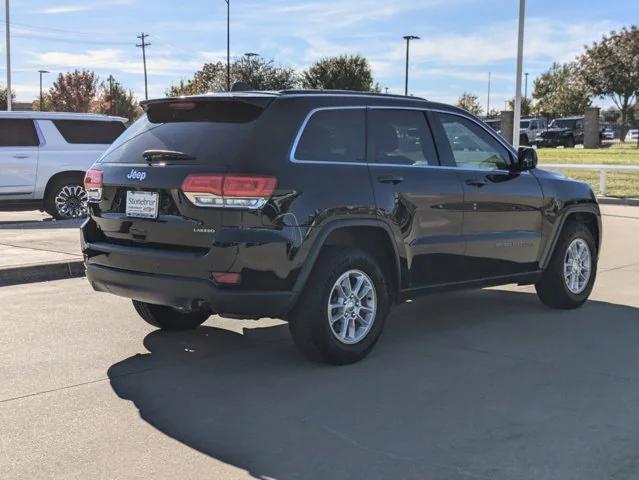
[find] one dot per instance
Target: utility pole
(9, 99)
(526, 88)
(111, 79)
(228, 45)
(520, 61)
(41, 96)
(488, 98)
(408, 38)
(143, 44)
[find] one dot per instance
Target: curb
(41, 273)
(632, 202)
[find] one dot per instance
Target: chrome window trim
(486, 129)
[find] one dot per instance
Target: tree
(610, 68)
(73, 91)
(560, 92)
(470, 103)
(346, 72)
(35, 105)
(260, 74)
(3, 97)
(113, 99)
(526, 106)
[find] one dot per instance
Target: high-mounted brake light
(93, 184)
(229, 191)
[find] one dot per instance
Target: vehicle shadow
(485, 384)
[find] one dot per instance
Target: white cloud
(82, 7)
(117, 60)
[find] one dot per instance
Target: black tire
(73, 184)
(551, 288)
(570, 142)
(308, 322)
(168, 318)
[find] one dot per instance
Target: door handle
(392, 179)
(21, 155)
(476, 182)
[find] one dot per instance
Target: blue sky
(462, 40)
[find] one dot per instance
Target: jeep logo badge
(135, 175)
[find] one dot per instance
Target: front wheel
(169, 318)
(340, 315)
(570, 276)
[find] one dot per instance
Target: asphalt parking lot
(473, 385)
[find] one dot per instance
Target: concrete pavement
(34, 248)
(475, 385)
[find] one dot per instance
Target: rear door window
(18, 133)
(89, 132)
(401, 137)
(336, 135)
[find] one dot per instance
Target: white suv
(44, 155)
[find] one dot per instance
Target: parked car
(608, 134)
(494, 123)
(44, 156)
(326, 208)
(566, 132)
(632, 135)
(529, 128)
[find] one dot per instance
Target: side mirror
(526, 159)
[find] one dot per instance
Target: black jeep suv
(566, 132)
(325, 209)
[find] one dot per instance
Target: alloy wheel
(577, 266)
(71, 201)
(352, 306)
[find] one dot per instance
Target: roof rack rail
(346, 92)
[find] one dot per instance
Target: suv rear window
(89, 131)
(219, 132)
(336, 135)
(18, 133)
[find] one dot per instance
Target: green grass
(616, 154)
(619, 184)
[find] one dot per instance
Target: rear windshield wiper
(161, 155)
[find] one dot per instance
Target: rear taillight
(229, 191)
(93, 184)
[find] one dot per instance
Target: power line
(143, 45)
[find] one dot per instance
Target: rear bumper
(183, 292)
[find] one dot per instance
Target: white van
(44, 155)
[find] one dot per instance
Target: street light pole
(488, 98)
(228, 45)
(9, 99)
(41, 96)
(526, 87)
(408, 38)
(520, 61)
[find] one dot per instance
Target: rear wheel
(570, 276)
(341, 313)
(66, 199)
(169, 318)
(570, 142)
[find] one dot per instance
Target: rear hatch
(142, 201)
